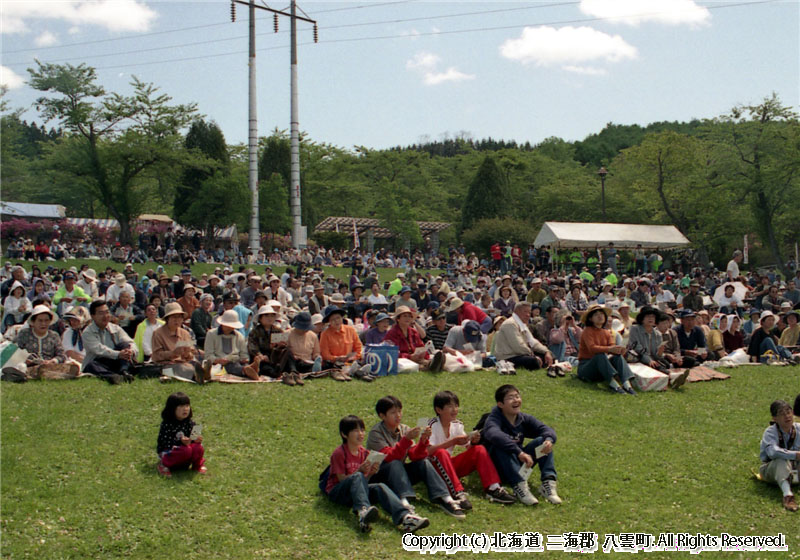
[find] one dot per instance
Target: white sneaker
(523, 493)
(549, 492)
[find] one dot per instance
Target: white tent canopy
(623, 236)
(28, 210)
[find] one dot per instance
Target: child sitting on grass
(396, 440)
(446, 433)
(348, 482)
(505, 430)
(780, 451)
(177, 446)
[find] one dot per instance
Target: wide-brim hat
(455, 303)
(592, 309)
(173, 309)
(189, 287)
(404, 290)
(402, 310)
(265, 309)
(764, 314)
(90, 274)
(302, 321)
(316, 318)
(230, 319)
(337, 298)
(332, 310)
(39, 309)
(120, 279)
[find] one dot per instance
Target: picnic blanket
(702, 373)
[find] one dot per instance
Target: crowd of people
(304, 324)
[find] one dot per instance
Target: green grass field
(79, 477)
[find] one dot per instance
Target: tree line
(115, 155)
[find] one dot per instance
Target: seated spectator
(272, 359)
(515, 343)
(125, 314)
(772, 301)
(791, 334)
(72, 340)
(377, 333)
(729, 302)
(780, 451)
(715, 341)
(732, 338)
(339, 343)
(505, 303)
(600, 359)
(404, 335)
(691, 339)
(576, 301)
(641, 295)
(69, 294)
(109, 350)
(645, 339)
(201, 319)
(304, 344)
(143, 337)
(764, 342)
(468, 338)
(16, 307)
(438, 329)
(173, 346)
(225, 346)
(565, 341)
(665, 299)
(754, 318)
(120, 285)
(46, 358)
(469, 311)
(187, 301)
(694, 299)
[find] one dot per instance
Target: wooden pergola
(371, 229)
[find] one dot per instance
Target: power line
(192, 28)
(327, 28)
(421, 34)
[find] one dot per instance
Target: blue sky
(396, 72)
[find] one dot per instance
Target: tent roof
(624, 236)
(28, 210)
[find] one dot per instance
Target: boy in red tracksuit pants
(446, 433)
(396, 441)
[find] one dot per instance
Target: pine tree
(486, 195)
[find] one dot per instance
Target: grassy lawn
(79, 477)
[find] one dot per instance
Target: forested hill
(716, 179)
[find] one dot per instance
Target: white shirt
(112, 294)
(147, 339)
(438, 436)
(380, 299)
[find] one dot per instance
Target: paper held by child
(538, 452)
(422, 422)
(375, 457)
(472, 434)
(197, 431)
(525, 471)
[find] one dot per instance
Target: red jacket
(407, 345)
(471, 312)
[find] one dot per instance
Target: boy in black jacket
(504, 431)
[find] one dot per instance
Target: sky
(389, 73)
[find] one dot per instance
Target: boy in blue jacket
(505, 430)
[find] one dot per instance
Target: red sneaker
(163, 471)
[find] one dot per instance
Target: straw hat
(265, 310)
(230, 319)
(120, 280)
(173, 309)
(402, 310)
(586, 314)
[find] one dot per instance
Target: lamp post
(603, 172)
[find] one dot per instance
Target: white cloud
(585, 70)
(114, 15)
(449, 75)
(566, 46)
(424, 60)
(426, 63)
(46, 39)
(10, 79)
(634, 12)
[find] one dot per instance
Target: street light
(603, 172)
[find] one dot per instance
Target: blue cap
(404, 289)
(472, 331)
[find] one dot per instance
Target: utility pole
(298, 231)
